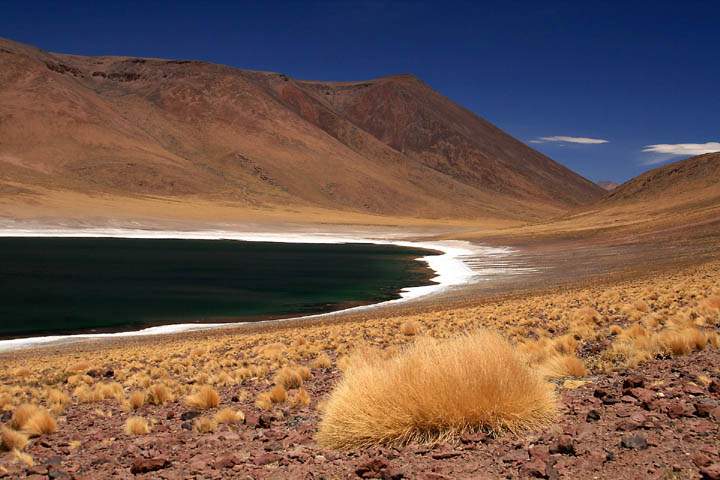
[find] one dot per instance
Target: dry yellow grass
(40, 423)
(321, 361)
(11, 439)
(410, 328)
(263, 401)
(229, 416)
(204, 398)
(24, 458)
(301, 398)
(22, 414)
(159, 394)
(136, 400)
(205, 425)
(564, 365)
(288, 378)
(137, 426)
(435, 390)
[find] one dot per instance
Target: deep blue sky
(633, 73)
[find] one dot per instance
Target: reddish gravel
(659, 421)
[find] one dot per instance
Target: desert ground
(600, 362)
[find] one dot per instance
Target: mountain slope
(185, 130)
(693, 180)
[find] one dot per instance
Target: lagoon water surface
(71, 285)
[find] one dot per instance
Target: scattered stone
(535, 468)
(634, 442)
(189, 415)
(633, 381)
(516, 456)
(703, 408)
(564, 445)
(592, 416)
(711, 473)
(146, 465)
(700, 459)
(642, 394)
(445, 455)
(378, 468)
(680, 408)
(266, 458)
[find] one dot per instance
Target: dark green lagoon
(71, 285)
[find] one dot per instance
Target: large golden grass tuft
(435, 390)
(204, 398)
(11, 439)
(40, 423)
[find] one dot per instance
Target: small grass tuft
(11, 439)
(137, 426)
(204, 398)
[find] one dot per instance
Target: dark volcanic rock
(634, 442)
(145, 465)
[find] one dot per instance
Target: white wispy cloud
(566, 139)
(683, 148)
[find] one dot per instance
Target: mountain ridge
(184, 129)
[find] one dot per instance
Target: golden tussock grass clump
(436, 390)
(136, 400)
(204, 398)
(79, 367)
(288, 378)
(301, 398)
(304, 373)
(229, 416)
(57, 398)
(683, 341)
(24, 458)
(564, 365)
(137, 426)
(321, 361)
(566, 344)
(712, 302)
(278, 394)
(263, 401)
(205, 425)
(410, 328)
(266, 400)
(11, 439)
(22, 414)
(159, 394)
(40, 423)
(79, 379)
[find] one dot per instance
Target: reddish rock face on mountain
(168, 128)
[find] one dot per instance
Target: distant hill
(608, 185)
(184, 130)
(694, 180)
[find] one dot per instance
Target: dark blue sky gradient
(634, 73)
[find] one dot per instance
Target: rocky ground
(659, 421)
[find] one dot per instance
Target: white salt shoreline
(449, 267)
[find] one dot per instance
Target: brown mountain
(95, 128)
(691, 181)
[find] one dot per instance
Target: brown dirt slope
(677, 201)
(680, 182)
(186, 130)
